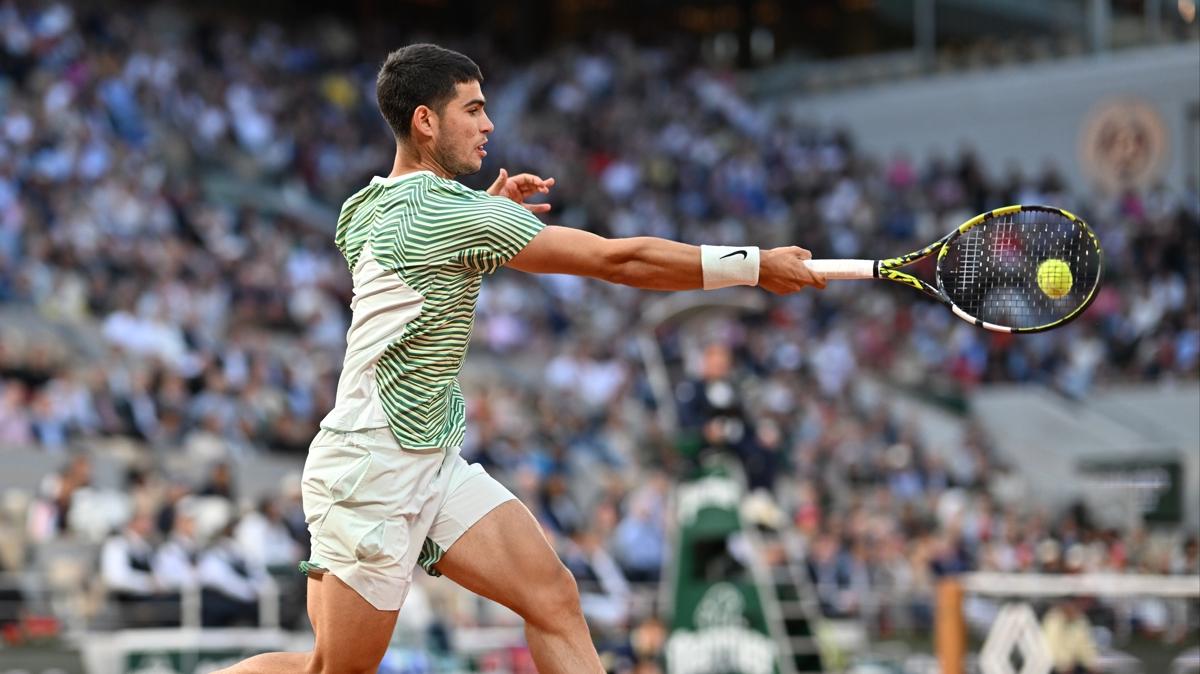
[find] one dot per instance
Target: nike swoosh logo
(743, 253)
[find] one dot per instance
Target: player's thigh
(506, 558)
(351, 634)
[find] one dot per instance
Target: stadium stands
(170, 303)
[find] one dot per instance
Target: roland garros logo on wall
(1123, 144)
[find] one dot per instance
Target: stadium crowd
(171, 192)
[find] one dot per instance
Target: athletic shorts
(376, 511)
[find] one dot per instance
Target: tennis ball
(1054, 278)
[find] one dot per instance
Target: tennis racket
(1014, 269)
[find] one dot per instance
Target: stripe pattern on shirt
(440, 237)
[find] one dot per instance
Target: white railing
(1094, 584)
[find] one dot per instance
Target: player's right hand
(782, 270)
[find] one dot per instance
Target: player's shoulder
(456, 190)
(360, 196)
(357, 204)
(455, 194)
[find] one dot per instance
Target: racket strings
(972, 257)
(1022, 270)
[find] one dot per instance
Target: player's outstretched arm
(659, 264)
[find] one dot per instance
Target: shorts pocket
(347, 536)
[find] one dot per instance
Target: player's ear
(424, 120)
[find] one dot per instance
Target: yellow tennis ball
(1054, 278)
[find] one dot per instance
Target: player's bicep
(562, 250)
(492, 234)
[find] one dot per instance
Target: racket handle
(843, 269)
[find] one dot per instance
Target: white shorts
(376, 511)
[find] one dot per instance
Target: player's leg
(365, 502)
(505, 557)
(340, 618)
(351, 635)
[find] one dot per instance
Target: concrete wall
(1046, 437)
(1025, 114)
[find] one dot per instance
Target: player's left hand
(520, 187)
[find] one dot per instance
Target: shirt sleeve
(496, 231)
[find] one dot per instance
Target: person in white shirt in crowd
(265, 539)
(231, 583)
(175, 560)
(126, 566)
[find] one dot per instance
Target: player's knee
(554, 603)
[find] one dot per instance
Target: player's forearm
(654, 264)
(659, 264)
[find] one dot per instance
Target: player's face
(463, 128)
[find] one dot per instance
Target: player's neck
(411, 162)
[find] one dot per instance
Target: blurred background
(739, 482)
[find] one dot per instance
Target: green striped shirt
(418, 247)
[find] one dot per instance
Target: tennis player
(385, 489)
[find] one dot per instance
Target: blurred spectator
(648, 643)
(168, 511)
(603, 589)
(12, 600)
(126, 566)
(1069, 637)
(264, 538)
(828, 572)
(558, 506)
(232, 584)
(639, 541)
(175, 560)
(15, 424)
(219, 483)
(50, 514)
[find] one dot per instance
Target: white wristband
(724, 266)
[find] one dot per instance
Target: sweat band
(724, 266)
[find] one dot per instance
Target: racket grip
(843, 269)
